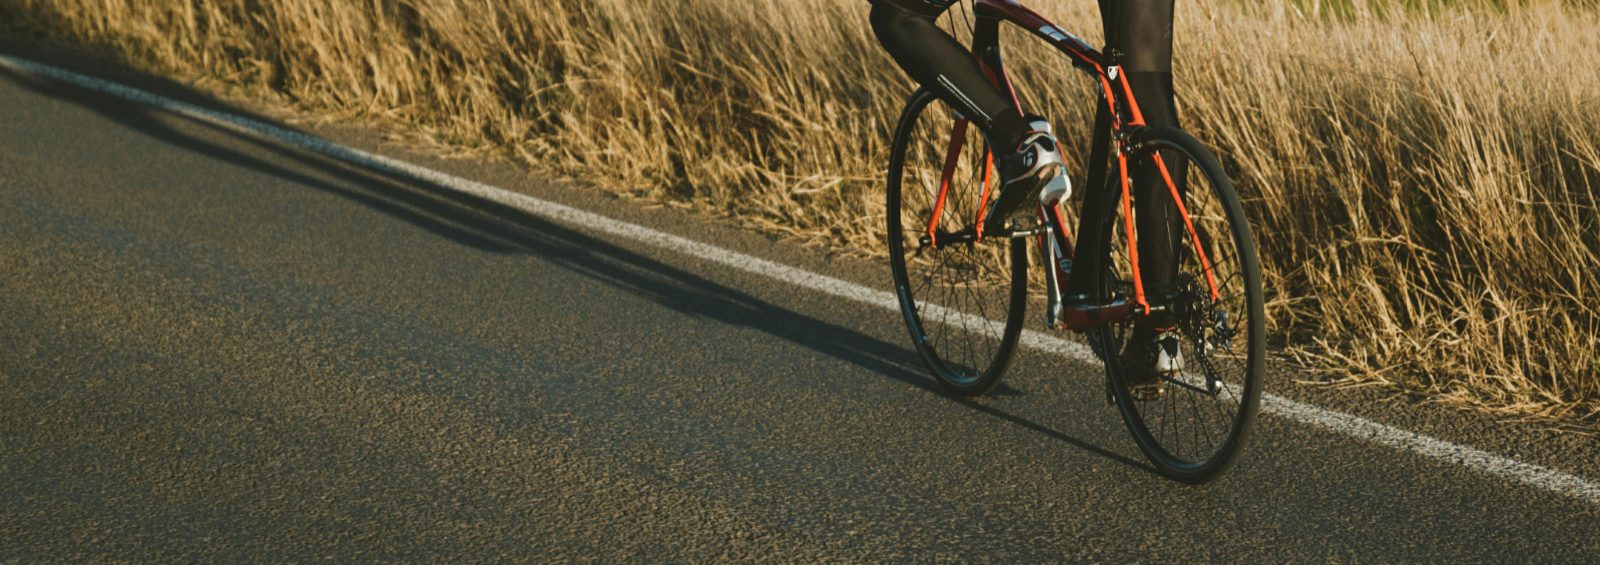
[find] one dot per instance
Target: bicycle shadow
(495, 228)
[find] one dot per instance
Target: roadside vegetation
(1424, 181)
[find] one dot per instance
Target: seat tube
(1097, 195)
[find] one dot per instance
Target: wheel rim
(959, 299)
(1195, 428)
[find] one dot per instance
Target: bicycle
(938, 250)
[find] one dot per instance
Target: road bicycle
(964, 292)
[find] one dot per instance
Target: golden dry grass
(1422, 182)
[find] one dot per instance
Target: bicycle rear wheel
(1196, 429)
(963, 300)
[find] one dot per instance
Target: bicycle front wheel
(963, 299)
(1195, 429)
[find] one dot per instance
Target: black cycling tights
(1139, 31)
(907, 30)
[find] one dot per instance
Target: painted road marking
(1337, 422)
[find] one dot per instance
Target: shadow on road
(495, 228)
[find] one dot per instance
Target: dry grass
(1423, 182)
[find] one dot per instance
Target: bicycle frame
(1124, 115)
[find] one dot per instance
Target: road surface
(214, 347)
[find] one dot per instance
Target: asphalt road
(215, 348)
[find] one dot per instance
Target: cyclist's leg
(1139, 33)
(1142, 30)
(1029, 162)
(908, 31)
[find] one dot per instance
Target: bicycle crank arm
(1212, 387)
(1050, 256)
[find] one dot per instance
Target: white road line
(1337, 422)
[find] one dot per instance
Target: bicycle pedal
(1052, 315)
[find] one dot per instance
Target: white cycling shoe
(1035, 172)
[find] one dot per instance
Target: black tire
(1195, 433)
(950, 295)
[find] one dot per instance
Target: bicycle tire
(1210, 340)
(948, 293)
